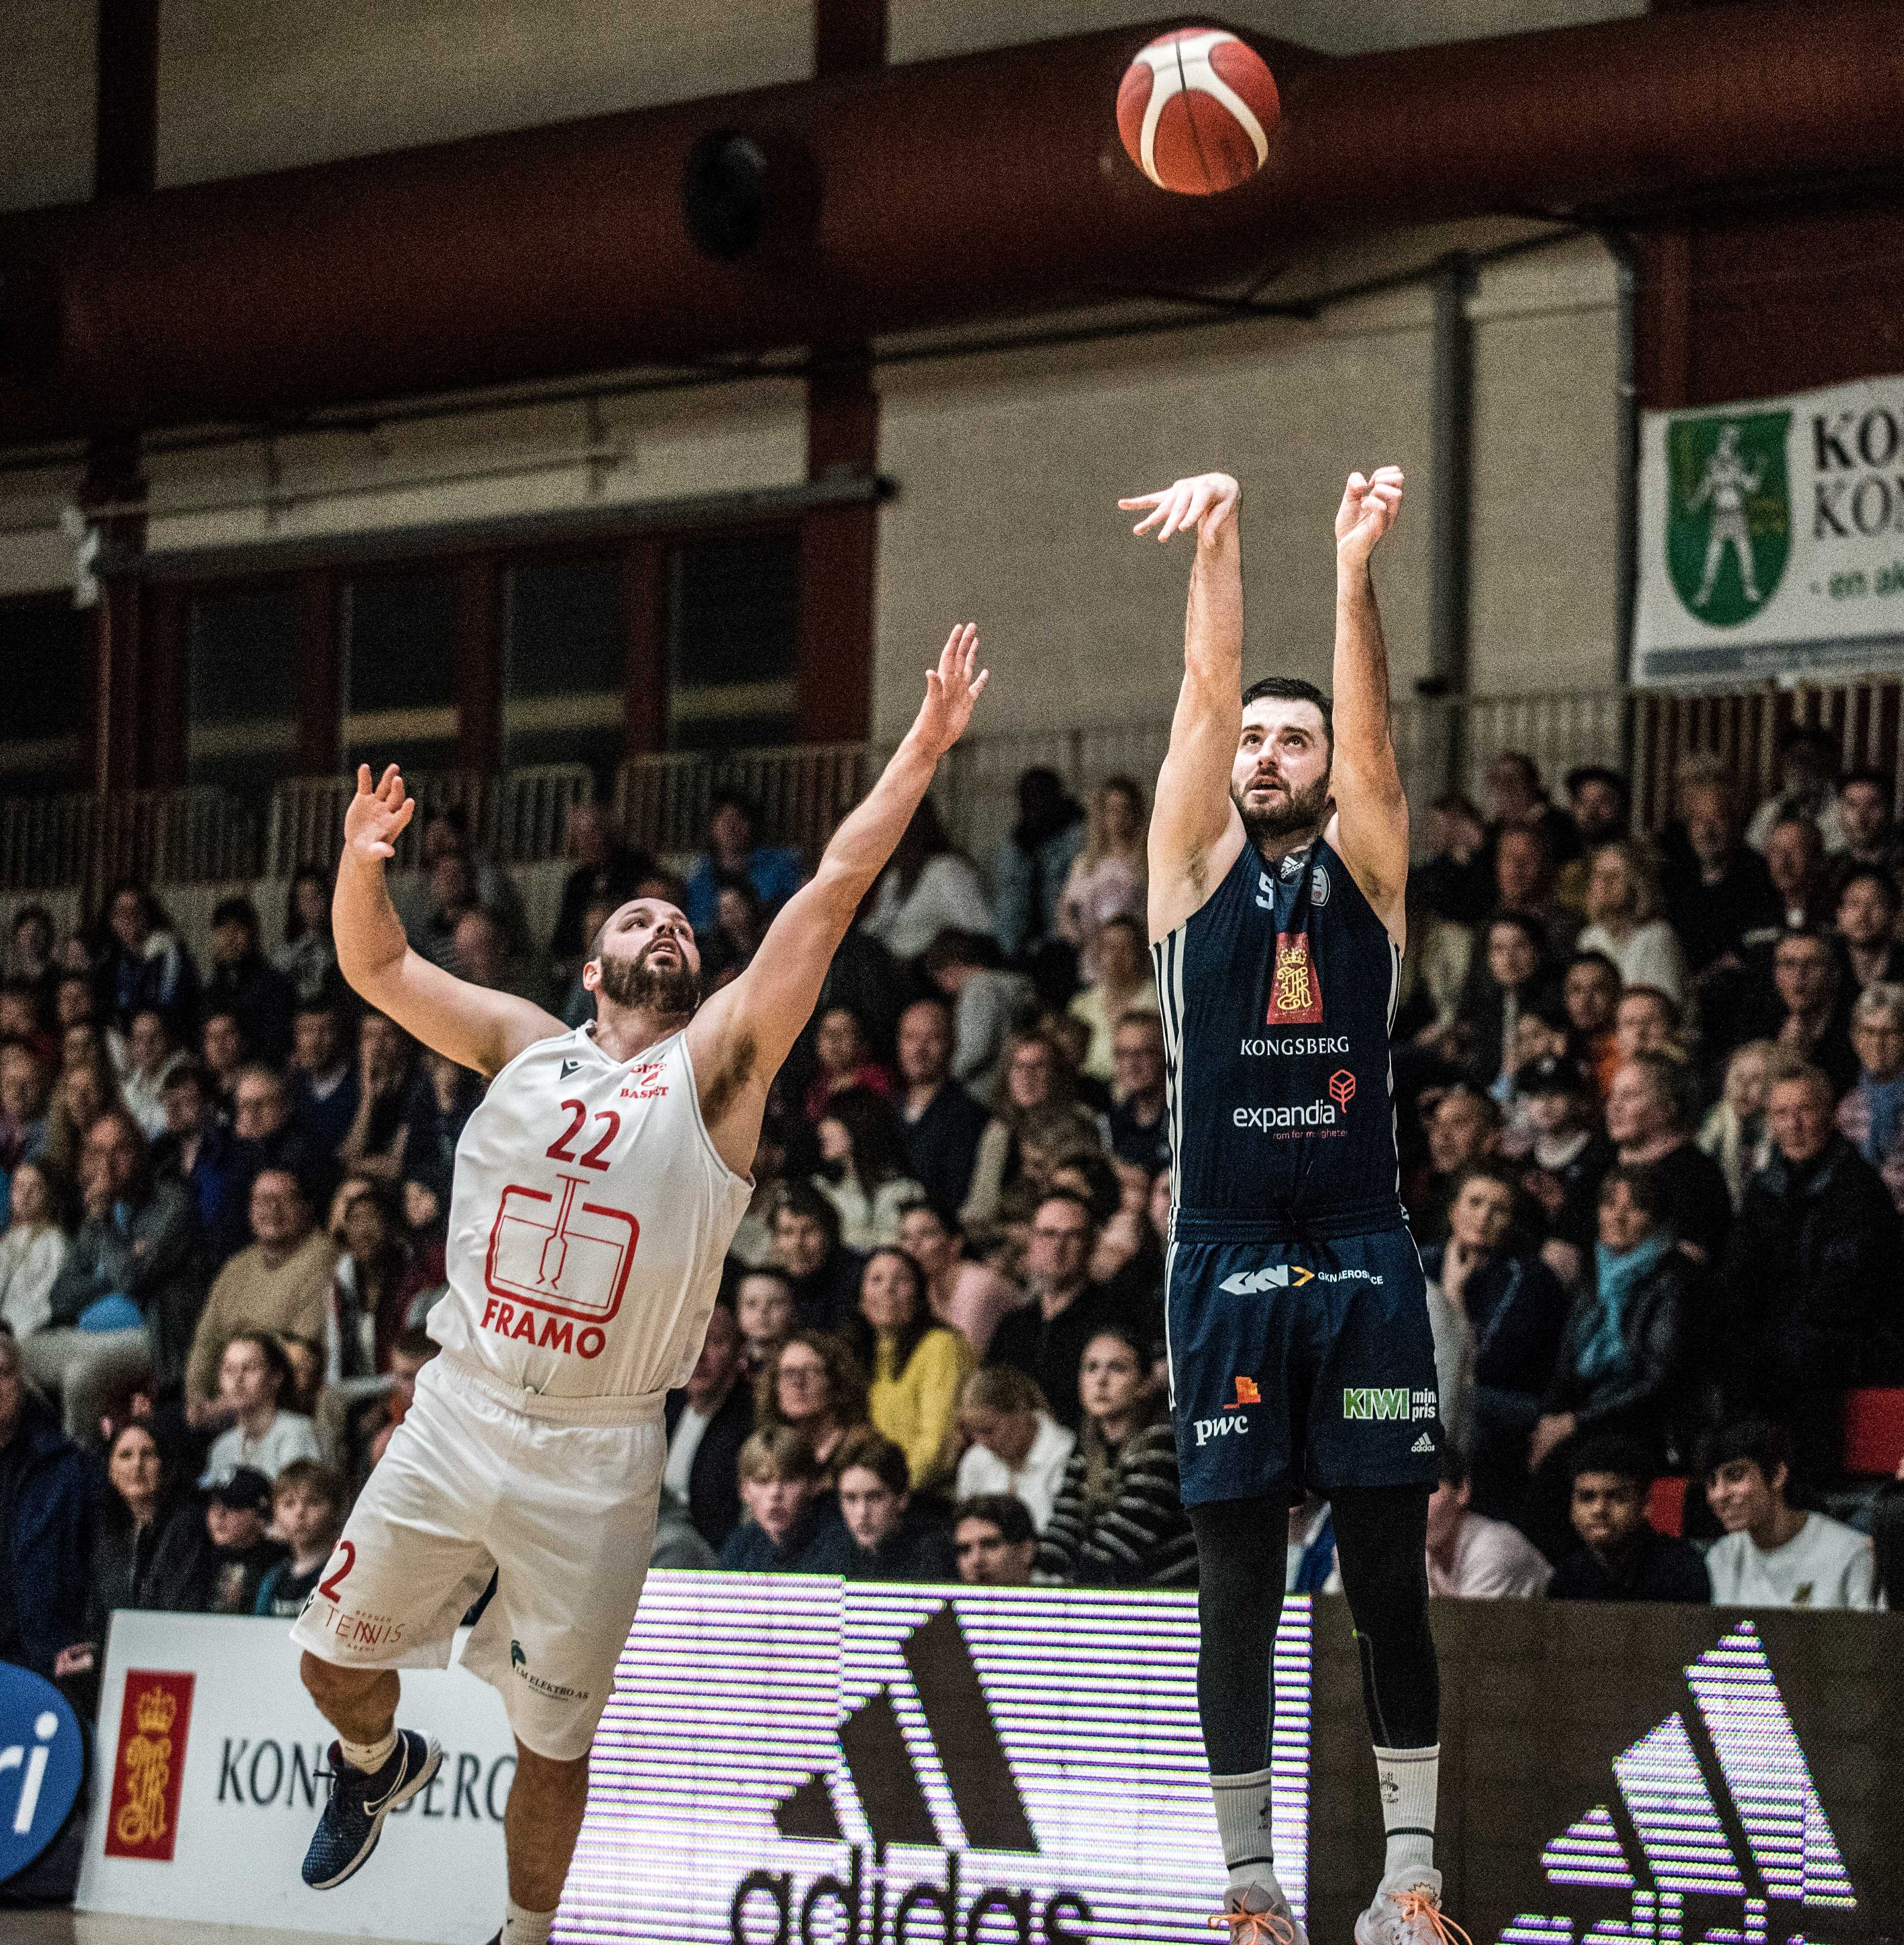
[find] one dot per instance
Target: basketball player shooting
(1296, 1310)
(596, 1189)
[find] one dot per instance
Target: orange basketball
(1196, 109)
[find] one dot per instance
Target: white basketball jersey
(587, 1223)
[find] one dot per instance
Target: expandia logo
(1717, 1802)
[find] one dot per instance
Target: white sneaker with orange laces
(1407, 1911)
(1260, 1917)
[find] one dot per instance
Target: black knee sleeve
(1381, 1535)
(1242, 1550)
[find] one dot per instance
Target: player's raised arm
(740, 1036)
(470, 1025)
(1195, 830)
(1372, 812)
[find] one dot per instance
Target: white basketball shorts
(555, 1497)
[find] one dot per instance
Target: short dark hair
(879, 1456)
(1876, 779)
(187, 1073)
(1613, 1452)
(1005, 1510)
(1767, 1444)
(1601, 960)
(1647, 1186)
(1293, 689)
(414, 1341)
(237, 911)
(802, 1198)
(1076, 1201)
(1578, 779)
(1872, 875)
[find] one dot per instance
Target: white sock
(526, 1928)
(368, 1757)
(1243, 1810)
(1406, 1780)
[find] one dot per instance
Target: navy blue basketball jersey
(1278, 995)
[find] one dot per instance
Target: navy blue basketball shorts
(1298, 1366)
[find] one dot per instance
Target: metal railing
(800, 792)
(183, 836)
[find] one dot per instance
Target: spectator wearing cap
(1471, 1557)
(1645, 1122)
(793, 1523)
(254, 1375)
(125, 1298)
(1865, 803)
(1014, 1445)
(1718, 893)
(993, 1540)
(244, 984)
(1867, 921)
(1870, 1116)
(1619, 1557)
(875, 1496)
(1624, 922)
(708, 1420)
(280, 1284)
(824, 1274)
(735, 852)
(1561, 1172)
(215, 1554)
(1776, 1555)
(1806, 1009)
(943, 1123)
(1811, 1276)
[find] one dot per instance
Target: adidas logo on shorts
(1424, 1444)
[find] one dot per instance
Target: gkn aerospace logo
(1769, 1858)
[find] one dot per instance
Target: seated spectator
(144, 962)
(1034, 1081)
(1071, 1037)
(1718, 894)
(843, 1060)
(1517, 797)
(824, 1274)
(1590, 992)
(370, 1287)
(1734, 1133)
(482, 951)
(875, 1497)
(793, 1523)
(1016, 1446)
(446, 836)
(1600, 805)
(32, 1249)
(1801, 879)
(1118, 1520)
(1561, 1172)
(1774, 1555)
(1045, 1338)
(814, 1385)
(451, 892)
(30, 956)
(324, 1088)
(1887, 1541)
(1455, 884)
(281, 1285)
(441, 1097)
(1647, 1021)
(1107, 877)
(1516, 1311)
(375, 1142)
(213, 1556)
(993, 1541)
(917, 1366)
(1811, 1275)
(763, 1311)
(125, 1300)
(988, 1004)
(1032, 863)
(1619, 1556)
(968, 1296)
(1807, 789)
(733, 852)
(85, 1089)
(1463, 1129)
(412, 1350)
(1870, 1117)
(309, 1505)
(74, 1003)
(862, 1170)
(708, 1420)
(260, 1121)
(244, 984)
(308, 958)
(1867, 928)
(223, 1054)
(929, 887)
(1644, 1122)
(23, 1108)
(1140, 1119)
(1621, 1368)
(606, 873)
(578, 1004)
(48, 1511)
(1473, 1558)
(136, 1511)
(23, 1017)
(1864, 804)
(152, 1057)
(1511, 978)
(1524, 885)
(943, 1124)
(1624, 922)
(254, 1375)
(1125, 984)
(1805, 1008)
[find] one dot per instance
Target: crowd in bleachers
(1649, 1093)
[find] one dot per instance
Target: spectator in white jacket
(1017, 1446)
(1776, 1555)
(32, 1249)
(863, 1168)
(929, 887)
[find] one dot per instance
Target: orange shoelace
(1418, 1907)
(1255, 1927)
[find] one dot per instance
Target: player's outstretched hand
(1204, 502)
(950, 689)
(1368, 510)
(377, 816)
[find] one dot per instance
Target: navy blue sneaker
(354, 1817)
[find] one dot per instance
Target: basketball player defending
(1297, 1315)
(596, 1189)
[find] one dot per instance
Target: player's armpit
(473, 1025)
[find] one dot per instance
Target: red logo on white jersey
(569, 1256)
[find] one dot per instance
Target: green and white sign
(1772, 538)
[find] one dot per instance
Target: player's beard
(672, 991)
(1299, 814)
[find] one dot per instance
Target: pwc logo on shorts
(1324, 1117)
(1224, 1426)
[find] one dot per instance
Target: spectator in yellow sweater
(917, 1366)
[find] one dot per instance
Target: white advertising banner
(1772, 538)
(785, 1760)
